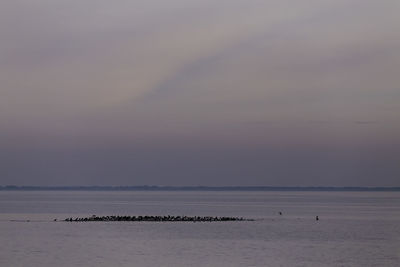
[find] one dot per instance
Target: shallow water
(355, 229)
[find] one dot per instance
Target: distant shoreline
(196, 188)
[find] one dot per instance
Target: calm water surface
(355, 229)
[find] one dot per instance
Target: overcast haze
(200, 92)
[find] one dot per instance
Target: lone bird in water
(316, 218)
(280, 213)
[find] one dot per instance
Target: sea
(354, 229)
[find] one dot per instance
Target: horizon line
(196, 188)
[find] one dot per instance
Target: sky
(200, 92)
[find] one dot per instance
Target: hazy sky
(200, 92)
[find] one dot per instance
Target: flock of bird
(168, 218)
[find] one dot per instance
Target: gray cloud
(200, 92)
